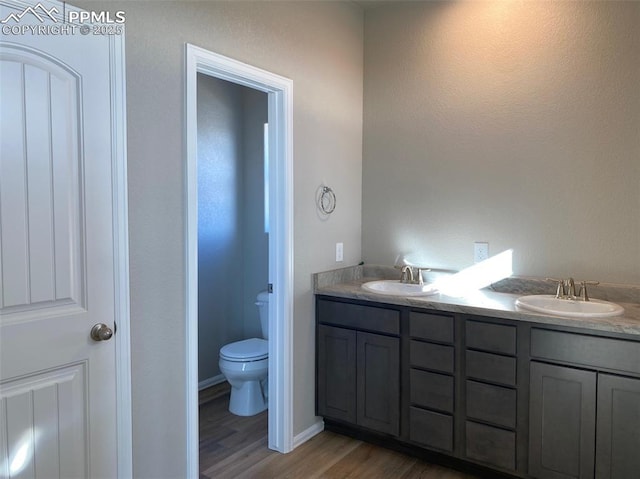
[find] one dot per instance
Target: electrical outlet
(480, 251)
(339, 252)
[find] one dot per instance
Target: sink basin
(396, 288)
(548, 303)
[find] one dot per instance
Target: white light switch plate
(339, 252)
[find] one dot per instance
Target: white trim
(191, 241)
(121, 257)
(211, 382)
(304, 436)
(280, 100)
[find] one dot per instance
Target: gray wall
(232, 244)
(255, 264)
(516, 123)
(319, 45)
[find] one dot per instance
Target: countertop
(347, 283)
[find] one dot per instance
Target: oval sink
(396, 288)
(548, 303)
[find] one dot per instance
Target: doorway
(280, 249)
(233, 233)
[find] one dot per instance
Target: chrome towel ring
(327, 200)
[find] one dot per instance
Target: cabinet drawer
(493, 404)
(356, 316)
(431, 390)
(431, 429)
(496, 338)
(586, 350)
(431, 326)
(491, 445)
(431, 356)
(491, 367)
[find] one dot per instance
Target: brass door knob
(101, 332)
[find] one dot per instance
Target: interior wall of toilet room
(232, 243)
(515, 123)
(255, 239)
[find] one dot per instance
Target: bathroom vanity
(481, 385)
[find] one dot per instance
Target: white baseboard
(308, 433)
(211, 382)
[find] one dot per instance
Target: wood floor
(236, 447)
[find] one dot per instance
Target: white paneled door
(58, 252)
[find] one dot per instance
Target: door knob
(101, 332)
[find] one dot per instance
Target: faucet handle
(583, 289)
(560, 289)
(419, 271)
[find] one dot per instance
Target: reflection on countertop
(497, 301)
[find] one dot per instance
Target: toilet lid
(252, 349)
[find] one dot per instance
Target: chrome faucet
(570, 288)
(406, 274)
(566, 289)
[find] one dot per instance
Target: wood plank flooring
(236, 447)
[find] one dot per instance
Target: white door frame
(120, 201)
(121, 257)
(280, 114)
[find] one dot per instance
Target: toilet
(245, 364)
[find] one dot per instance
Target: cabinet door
(378, 377)
(336, 373)
(618, 439)
(562, 418)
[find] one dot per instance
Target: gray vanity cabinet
(378, 383)
(511, 398)
(491, 393)
(336, 378)
(562, 413)
(567, 424)
(584, 421)
(358, 369)
(618, 426)
(431, 380)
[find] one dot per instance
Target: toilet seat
(253, 349)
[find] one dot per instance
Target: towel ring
(327, 201)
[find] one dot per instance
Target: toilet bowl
(245, 365)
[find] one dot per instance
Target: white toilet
(245, 364)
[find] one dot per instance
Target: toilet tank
(262, 302)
